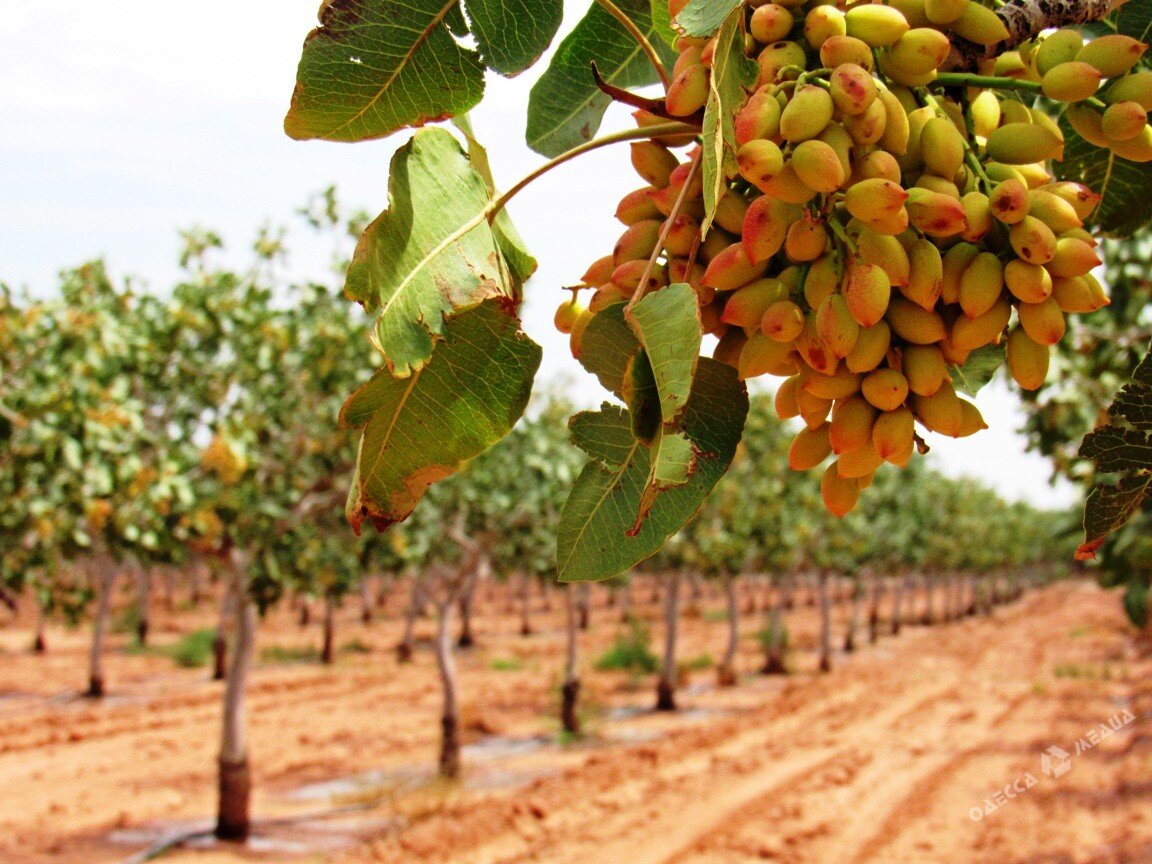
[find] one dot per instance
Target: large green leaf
(375, 66)
(1125, 187)
(704, 17)
(607, 347)
(512, 34)
(595, 538)
(667, 323)
(1123, 450)
(565, 107)
(732, 71)
(1135, 19)
(516, 253)
(662, 21)
(430, 253)
(420, 429)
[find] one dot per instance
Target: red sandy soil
(882, 760)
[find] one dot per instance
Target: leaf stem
(630, 25)
(639, 134)
(642, 288)
(997, 82)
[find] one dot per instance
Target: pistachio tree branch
(1024, 20)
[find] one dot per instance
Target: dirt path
(881, 761)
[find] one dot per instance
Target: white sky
(121, 122)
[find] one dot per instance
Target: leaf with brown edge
(419, 429)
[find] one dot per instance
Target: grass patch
(715, 616)
(630, 652)
(1077, 632)
(506, 664)
(697, 664)
(294, 654)
(191, 652)
(355, 646)
(1082, 672)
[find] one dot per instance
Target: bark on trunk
(232, 815)
(825, 623)
(328, 651)
(585, 605)
(39, 644)
(466, 638)
(570, 689)
(525, 605)
(366, 602)
(898, 604)
(774, 647)
(928, 618)
(450, 711)
(105, 569)
(726, 671)
(853, 620)
(626, 602)
(404, 648)
(305, 612)
(666, 685)
(874, 611)
(143, 625)
(220, 643)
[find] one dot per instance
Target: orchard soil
(883, 760)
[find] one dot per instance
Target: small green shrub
(355, 646)
(769, 636)
(697, 664)
(194, 650)
(284, 654)
(506, 664)
(630, 652)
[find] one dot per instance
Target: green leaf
(516, 253)
(565, 107)
(732, 71)
(702, 18)
(420, 429)
(662, 22)
(1124, 450)
(607, 348)
(1125, 187)
(605, 435)
(667, 323)
(431, 253)
(978, 369)
(1135, 20)
(375, 66)
(593, 539)
(512, 34)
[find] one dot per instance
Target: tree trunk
(232, 817)
(525, 604)
(546, 595)
(328, 651)
(774, 647)
(450, 713)
(898, 603)
(466, 638)
(570, 689)
(825, 622)
(926, 617)
(726, 671)
(654, 596)
(220, 643)
(105, 569)
(788, 592)
(196, 591)
(853, 620)
(169, 588)
(366, 603)
(877, 588)
(305, 613)
(666, 685)
(39, 644)
(585, 605)
(404, 648)
(143, 625)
